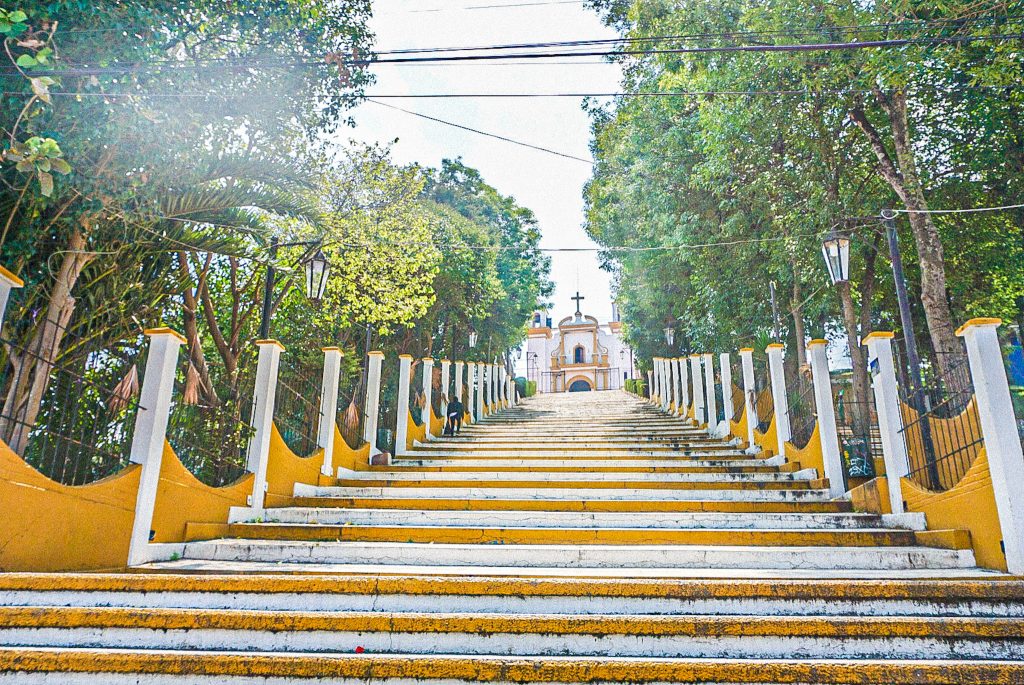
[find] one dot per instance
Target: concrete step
(681, 457)
(530, 635)
(767, 492)
(427, 532)
(985, 595)
(442, 502)
(540, 465)
(805, 558)
(567, 519)
(73, 666)
(641, 479)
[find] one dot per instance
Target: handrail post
(712, 399)
(780, 402)
(402, 410)
(824, 405)
(698, 389)
(263, 397)
(479, 391)
(328, 406)
(446, 369)
(890, 422)
(150, 434)
(725, 366)
(372, 410)
(684, 384)
(428, 390)
(995, 413)
(749, 395)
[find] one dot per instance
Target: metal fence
(69, 404)
(802, 416)
(297, 408)
(859, 436)
(738, 402)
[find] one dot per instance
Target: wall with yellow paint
(767, 441)
(285, 469)
(948, 435)
(47, 526)
(182, 499)
(811, 455)
(414, 432)
(738, 429)
(346, 457)
(969, 505)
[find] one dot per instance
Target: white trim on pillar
(697, 378)
(446, 372)
(457, 386)
(780, 402)
(817, 356)
(712, 396)
(328, 406)
(479, 391)
(1002, 445)
(151, 432)
(890, 423)
(264, 395)
(684, 382)
(428, 392)
(402, 410)
(725, 369)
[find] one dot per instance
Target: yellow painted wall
(948, 435)
(969, 505)
(285, 469)
(811, 456)
(767, 441)
(346, 457)
(182, 499)
(414, 432)
(738, 429)
(47, 526)
(436, 423)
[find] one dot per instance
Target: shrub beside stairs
(573, 539)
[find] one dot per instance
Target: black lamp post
(316, 268)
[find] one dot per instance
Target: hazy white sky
(549, 185)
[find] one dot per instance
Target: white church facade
(579, 355)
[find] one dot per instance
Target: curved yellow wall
(811, 455)
(767, 441)
(414, 432)
(738, 429)
(346, 457)
(969, 505)
(183, 501)
(285, 469)
(948, 435)
(47, 526)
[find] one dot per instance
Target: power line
(483, 133)
(970, 210)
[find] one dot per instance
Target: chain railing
(70, 414)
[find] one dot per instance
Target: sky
(549, 185)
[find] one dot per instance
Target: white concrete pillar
(494, 387)
(650, 385)
(725, 366)
(8, 282)
(485, 370)
(264, 395)
(749, 395)
(428, 392)
(371, 411)
(698, 389)
(479, 391)
(677, 376)
(666, 392)
(151, 431)
(328, 406)
(684, 383)
(458, 380)
(712, 396)
(655, 374)
(780, 401)
(825, 408)
(402, 410)
(673, 400)
(995, 412)
(890, 421)
(446, 370)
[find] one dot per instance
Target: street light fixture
(473, 336)
(836, 251)
(317, 269)
(670, 336)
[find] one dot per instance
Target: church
(580, 355)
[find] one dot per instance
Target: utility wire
(951, 211)
(483, 133)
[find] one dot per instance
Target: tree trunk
(32, 375)
(902, 176)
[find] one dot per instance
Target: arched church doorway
(580, 386)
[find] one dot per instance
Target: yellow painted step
(788, 467)
(489, 624)
(573, 536)
(975, 590)
(468, 504)
(514, 669)
(581, 485)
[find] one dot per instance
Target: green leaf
(26, 62)
(41, 88)
(60, 166)
(25, 166)
(45, 184)
(17, 16)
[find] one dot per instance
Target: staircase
(575, 538)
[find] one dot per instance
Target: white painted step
(587, 463)
(570, 451)
(613, 644)
(562, 519)
(563, 494)
(581, 477)
(583, 556)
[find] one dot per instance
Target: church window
(577, 355)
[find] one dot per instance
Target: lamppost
(316, 268)
(836, 251)
(670, 336)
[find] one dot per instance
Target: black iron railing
(860, 439)
(297, 409)
(802, 416)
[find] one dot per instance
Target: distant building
(580, 355)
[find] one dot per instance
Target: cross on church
(578, 298)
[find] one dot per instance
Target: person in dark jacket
(455, 412)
